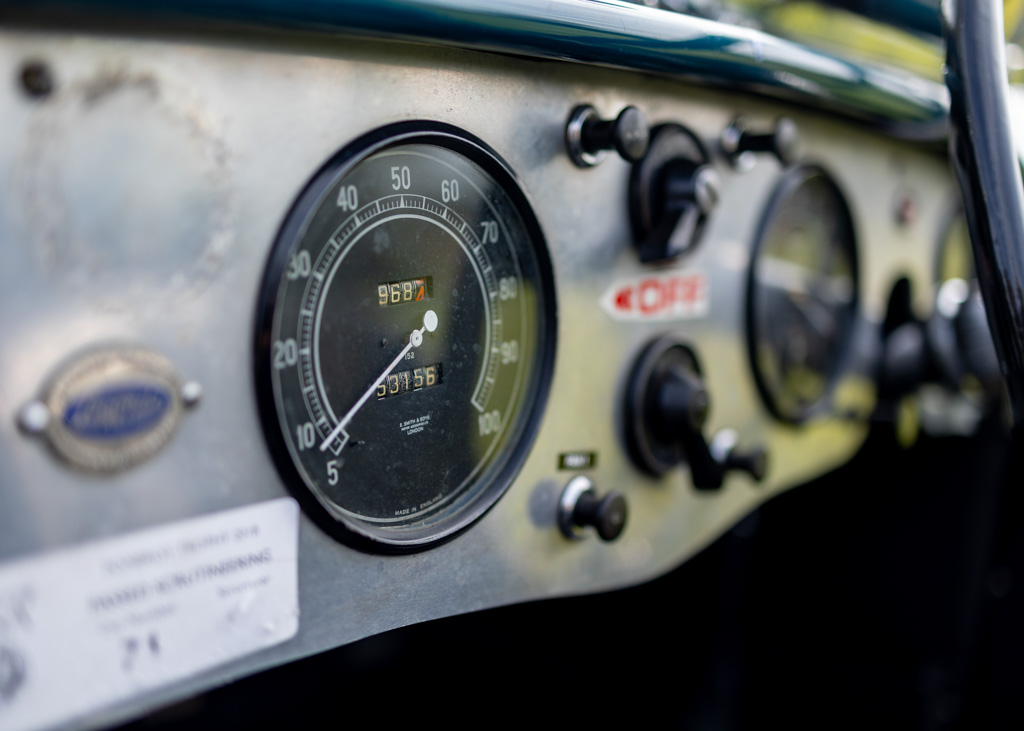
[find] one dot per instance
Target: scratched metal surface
(138, 203)
(602, 32)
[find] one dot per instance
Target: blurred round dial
(803, 288)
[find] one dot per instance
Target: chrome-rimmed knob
(588, 137)
(580, 507)
(739, 144)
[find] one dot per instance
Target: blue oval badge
(113, 407)
(116, 412)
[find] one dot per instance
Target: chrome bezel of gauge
(364, 535)
(792, 179)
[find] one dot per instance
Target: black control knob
(681, 402)
(782, 142)
(580, 507)
(954, 343)
(975, 339)
(588, 137)
(608, 516)
(672, 192)
(667, 407)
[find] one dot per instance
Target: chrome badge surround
(111, 409)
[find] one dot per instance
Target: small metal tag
(110, 409)
(577, 460)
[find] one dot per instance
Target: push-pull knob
(580, 507)
(588, 137)
(782, 141)
(953, 343)
(667, 407)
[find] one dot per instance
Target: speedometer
(405, 337)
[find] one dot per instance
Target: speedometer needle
(415, 340)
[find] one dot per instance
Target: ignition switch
(672, 192)
(667, 408)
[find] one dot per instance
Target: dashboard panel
(141, 200)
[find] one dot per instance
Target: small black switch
(587, 136)
(580, 507)
(607, 515)
(782, 142)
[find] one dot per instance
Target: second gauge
(802, 295)
(407, 336)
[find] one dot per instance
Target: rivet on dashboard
(36, 79)
(906, 210)
(34, 417)
(191, 393)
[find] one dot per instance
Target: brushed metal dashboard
(138, 205)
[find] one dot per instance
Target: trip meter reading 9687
(405, 337)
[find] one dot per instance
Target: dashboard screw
(36, 79)
(906, 210)
(191, 393)
(34, 417)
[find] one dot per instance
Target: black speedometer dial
(405, 337)
(802, 296)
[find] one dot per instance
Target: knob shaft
(782, 141)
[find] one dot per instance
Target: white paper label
(83, 628)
